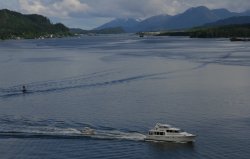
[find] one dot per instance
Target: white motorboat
(88, 131)
(165, 132)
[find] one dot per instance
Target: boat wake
(62, 130)
(118, 135)
(72, 133)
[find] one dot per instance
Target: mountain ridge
(192, 17)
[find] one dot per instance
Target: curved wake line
(99, 84)
(81, 82)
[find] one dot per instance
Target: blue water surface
(121, 86)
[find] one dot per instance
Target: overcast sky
(88, 14)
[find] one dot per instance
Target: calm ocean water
(121, 86)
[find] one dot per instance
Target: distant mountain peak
(124, 19)
(221, 10)
(199, 8)
(119, 22)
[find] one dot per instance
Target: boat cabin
(163, 129)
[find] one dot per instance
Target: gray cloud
(56, 8)
(123, 8)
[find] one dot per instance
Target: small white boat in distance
(88, 131)
(165, 132)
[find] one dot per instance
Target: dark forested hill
(230, 21)
(225, 31)
(15, 25)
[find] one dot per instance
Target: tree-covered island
(14, 25)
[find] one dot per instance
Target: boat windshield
(156, 133)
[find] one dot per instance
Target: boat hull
(182, 139)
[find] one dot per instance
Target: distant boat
(239, 39)
(165, 132)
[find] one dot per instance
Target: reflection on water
(121, 86)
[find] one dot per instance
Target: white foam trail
(74, 132)
(115, 134)
(50, 131)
